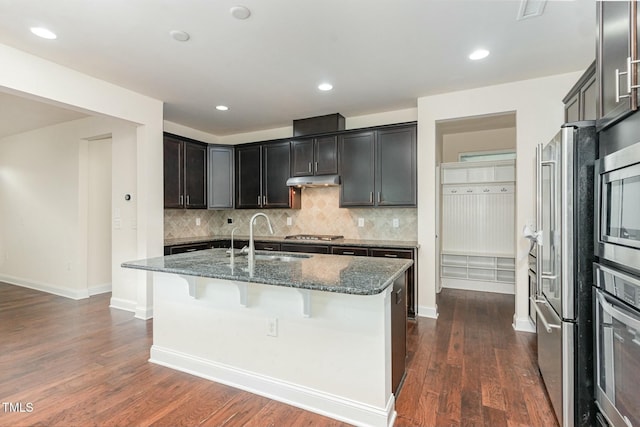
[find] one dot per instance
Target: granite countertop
(328, 273)
(281, 239)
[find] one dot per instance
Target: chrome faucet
(251, 251)
(232, 250)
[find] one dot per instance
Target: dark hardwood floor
(79, 363)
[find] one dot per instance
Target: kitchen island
(325, 333)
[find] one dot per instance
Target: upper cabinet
(378, 167)
(185, 173)
(314, 156)
(262, 171)
(220, 186)
(357, 169)
(580, 102)
(616, 60)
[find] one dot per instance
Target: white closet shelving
(478, 214)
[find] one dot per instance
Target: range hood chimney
(314, 181)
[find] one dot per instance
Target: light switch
(360, 222)
(198, 222)
(396, 223)
(289, 221)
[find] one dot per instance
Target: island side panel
(340, 355)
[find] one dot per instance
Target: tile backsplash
(320, 214)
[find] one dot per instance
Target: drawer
(192, 247)
(267, 246)
(391, 253)
(310, 249)
(349, 250)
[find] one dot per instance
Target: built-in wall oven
(617, 346)
(617, 233)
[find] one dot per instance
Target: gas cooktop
(313, 237)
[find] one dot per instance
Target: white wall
(35, 78)
(484, 140)
(539, 114)
(55, 225)
(354, 122)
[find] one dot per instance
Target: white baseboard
(430, 312)
(144, 313)
(45, 287)
(326, 404)
(523, 324)
(100, 289)
(123, 304)
(478, 285)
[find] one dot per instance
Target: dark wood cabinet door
(248, 177)
(396, 167)
(195, 175)
(614, 20)
(357, 151)
(398, 333)
(220, 184)
(276, 167)
(302, 157)
(326, 155)
(173, 173)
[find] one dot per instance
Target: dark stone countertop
(329, 273)
(399, 244)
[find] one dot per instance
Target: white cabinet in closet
(478, 221)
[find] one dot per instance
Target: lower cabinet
(406, 254)
(398, 332)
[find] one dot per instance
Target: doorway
(475, 162)
(99, 215)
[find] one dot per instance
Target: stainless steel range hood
(314, 181)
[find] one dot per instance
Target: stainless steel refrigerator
(563, 304)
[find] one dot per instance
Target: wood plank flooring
(79, 363)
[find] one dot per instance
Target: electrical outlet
(396, 223)
(360, 222)
(272, 327)
(198, 222)
(229, 220)
(289, 221)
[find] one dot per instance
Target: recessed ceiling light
(478, 54)
(222, 107)
(240, 12)
(180, 36)
(325, 86)
(44, 33)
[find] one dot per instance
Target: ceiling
(380, 55)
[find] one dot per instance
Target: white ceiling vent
(530, 9)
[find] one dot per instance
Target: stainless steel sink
(281, 257)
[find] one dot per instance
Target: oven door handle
(617, 313)
(547, 326)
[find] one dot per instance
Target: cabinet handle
(259, 199)
(264, 200)
(268, 248)
(348, 253)
(399, 296)
(187, 200)
(371, 197)
(391, 255)
(309, 167)
(181, 199)
(379, 197)
(316, 167)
